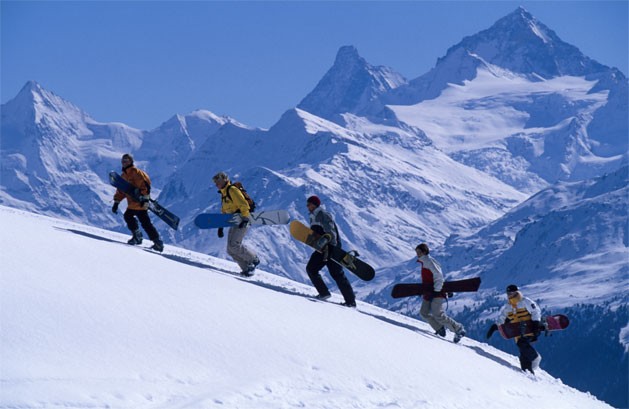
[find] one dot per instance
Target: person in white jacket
(433, 297)
(519, 309)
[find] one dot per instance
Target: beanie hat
(128, 156)
(424, 248)
(512, 288)
(220, 176)
(314, 200)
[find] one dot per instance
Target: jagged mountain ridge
(518, 42)
(378, 167)
(55, 157)
(350, 85)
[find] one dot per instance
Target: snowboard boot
(441, 332)
(158, 245)
(323, 297)
(349, 304)
(249, 271)
(535, 363)
(459, 334)
(136, 238)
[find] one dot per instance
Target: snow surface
(88, 321)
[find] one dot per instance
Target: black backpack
(239, 186)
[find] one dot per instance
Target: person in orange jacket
(137, 209)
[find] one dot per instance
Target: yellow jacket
(235, 202)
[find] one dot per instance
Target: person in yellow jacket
(233, 201)
(139, 209)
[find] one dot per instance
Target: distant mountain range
(509, 158)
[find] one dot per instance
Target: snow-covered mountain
(567, 244)
(519, 103)
(445, 158)
(81, 328)
(55, 157)
(351, 85)
(381, 200)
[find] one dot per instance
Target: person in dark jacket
(137, 209)
(433, 298)
(322, 223)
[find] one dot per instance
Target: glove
(114, 208)
(244, 223)
(144, 201)
(538, 327)
(491, 331)
(522, 328)
(450, 295)
(220, 233)
(323, 241)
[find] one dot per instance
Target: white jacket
(518, 313)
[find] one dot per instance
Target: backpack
(239, 186)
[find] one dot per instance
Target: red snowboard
(516, 329)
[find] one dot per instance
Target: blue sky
(142, 62)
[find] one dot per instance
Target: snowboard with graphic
(263, 218)
(459, 286)
(347, 259)
(160, 211)
(510, 330)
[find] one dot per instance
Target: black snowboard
(347, 259)
(168, 217)
(458, 286)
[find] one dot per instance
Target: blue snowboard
(216, 220)
(125, 187)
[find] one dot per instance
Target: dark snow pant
(316, 263)
(527, 353)
(143, 215)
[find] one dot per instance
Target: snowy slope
(90, 322)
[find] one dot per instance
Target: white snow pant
(241, 254)
(433, 313)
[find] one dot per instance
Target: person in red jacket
(141, 181)
(433, 298)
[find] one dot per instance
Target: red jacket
(432, 278)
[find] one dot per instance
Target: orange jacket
(140, 180)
